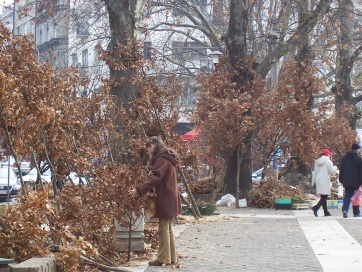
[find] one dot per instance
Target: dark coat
(350, 172)
(163, 179)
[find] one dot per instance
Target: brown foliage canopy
(281, 117)
(222, 108)
(40, 108)
(42, 113)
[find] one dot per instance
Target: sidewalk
(250, 239)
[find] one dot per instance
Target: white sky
(5, 3)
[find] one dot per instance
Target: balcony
(54, 42)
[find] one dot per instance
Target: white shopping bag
(340, 190)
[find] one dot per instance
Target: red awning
(191, 135)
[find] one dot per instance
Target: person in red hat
(323, 170)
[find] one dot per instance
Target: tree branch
(204, 26)
(189, 72)
(302, 30)
(183, 33)
(174, 25)
(353, 59)
(102, 266)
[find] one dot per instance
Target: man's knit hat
(355, 146)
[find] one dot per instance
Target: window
(47, 35)
(41, 36)
(202, 4)
(85, 58)
(95, 55)
(82, 28)
(187, 51)
(147, 46)
(75, 60)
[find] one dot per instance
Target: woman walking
(168, 203)
(323, 169)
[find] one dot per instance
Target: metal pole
(274, 42)
(8, 194)
(14, 18)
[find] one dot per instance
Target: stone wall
(41, 264)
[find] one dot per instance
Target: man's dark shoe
(357, 215)
(345, 215)
(314, 208)
(327, 214)
(154, 263)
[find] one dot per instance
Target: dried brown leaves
(263, 196)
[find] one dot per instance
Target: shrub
(205, 209)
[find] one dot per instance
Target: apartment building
(62, 33)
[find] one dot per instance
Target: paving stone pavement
(268, 240)
(245, 240)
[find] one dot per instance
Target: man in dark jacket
(163, 178)
(350, 175)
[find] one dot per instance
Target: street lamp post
(139, 31)
(249, 47)
(273, 37)
(214, 55)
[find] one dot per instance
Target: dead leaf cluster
(42, 114)
(202, 185)
(264, 195)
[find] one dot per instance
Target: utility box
(137, 235)
(4, 264)
(283, 204)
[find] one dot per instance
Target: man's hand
(133, 192)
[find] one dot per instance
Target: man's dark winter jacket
(350, 173)
(163, 179)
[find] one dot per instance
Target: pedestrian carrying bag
(356, 198)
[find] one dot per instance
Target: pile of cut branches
(263, 196)
(202, 185)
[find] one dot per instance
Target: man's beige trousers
(166, 242)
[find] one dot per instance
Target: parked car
(77, 179)
(47, 177)
(9, 183)
(256, 176)
(24, 165)
(31, 177)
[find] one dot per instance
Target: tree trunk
(122, 26)
(304, 59)
(123, 20)
(236, 48)
(343, 87)
(244, 170)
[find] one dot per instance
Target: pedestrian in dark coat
(163, 179)
(350, 175)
